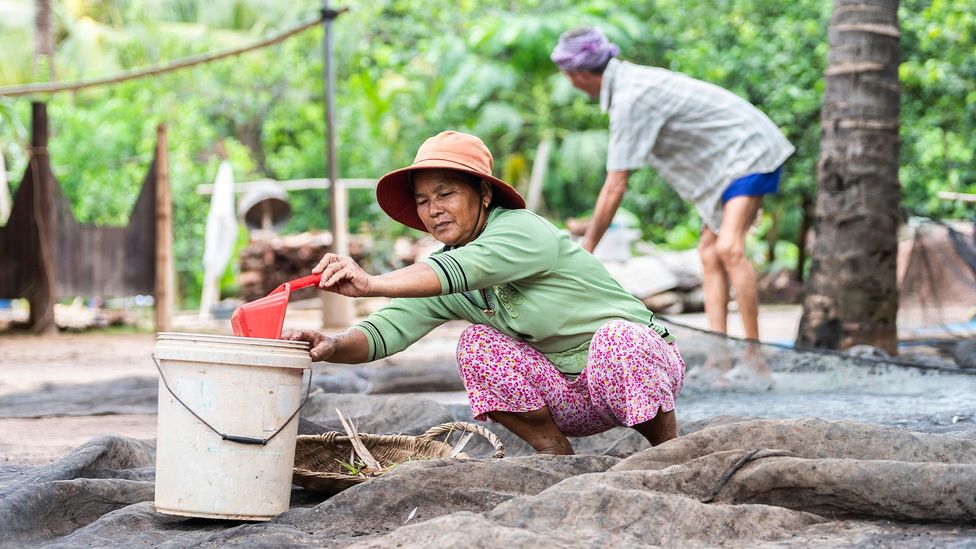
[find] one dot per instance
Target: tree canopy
(409, 68)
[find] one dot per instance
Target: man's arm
(606, 206)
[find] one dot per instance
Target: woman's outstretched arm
(344, 276)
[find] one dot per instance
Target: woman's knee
(471, 345)
(615, 345)
(620, 347)
(482, 347)
(617, 331)
(475, 333)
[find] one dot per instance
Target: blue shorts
(754, 184)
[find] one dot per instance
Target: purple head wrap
(583, 49)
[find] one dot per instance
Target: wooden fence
(45, 252)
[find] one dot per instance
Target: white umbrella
(220, 237)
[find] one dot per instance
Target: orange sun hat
(447, 150)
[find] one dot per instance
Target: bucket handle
(236, 438)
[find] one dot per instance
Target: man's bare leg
(738, 216)
(715, 283)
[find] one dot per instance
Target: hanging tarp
(87, 260)
(220, 236)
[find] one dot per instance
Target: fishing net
(937, 281)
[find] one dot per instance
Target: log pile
(271, 259)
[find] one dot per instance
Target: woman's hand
(322, 347)
(343, 276)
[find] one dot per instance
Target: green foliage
(354, 467)
(409, 68)
(938, 75)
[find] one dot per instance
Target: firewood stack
(270, 259)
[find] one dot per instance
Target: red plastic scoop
(264, 317)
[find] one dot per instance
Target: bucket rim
(233, 340)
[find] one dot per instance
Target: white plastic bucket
(248, 391)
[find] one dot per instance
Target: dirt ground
(28, 363)
(777, 323)
(44, 440)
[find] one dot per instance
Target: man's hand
(343, 276)
(322, 347)
(606, 206)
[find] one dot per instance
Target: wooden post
(5, 200)
(341, 225)
(43, 295)
(43, 41)
(266, 219)
(538, 177)
(164, 235)
(337, 310)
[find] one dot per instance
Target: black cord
(487, 309)
(817, 351)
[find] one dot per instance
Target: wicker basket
(319, 458)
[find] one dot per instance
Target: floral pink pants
(630, 374)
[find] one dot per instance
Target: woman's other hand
(321, 347)
(343, 276)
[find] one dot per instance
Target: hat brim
(395, 197)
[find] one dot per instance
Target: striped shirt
(541, 288)
(697, 136)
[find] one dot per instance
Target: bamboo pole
(55, 87)
(964, 197)
(291, 185)
(164, 235)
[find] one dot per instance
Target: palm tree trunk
(852, 295)
(806, 215)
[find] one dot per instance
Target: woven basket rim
(314, 471)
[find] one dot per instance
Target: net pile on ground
(937, 281)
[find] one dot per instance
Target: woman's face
(452, 209)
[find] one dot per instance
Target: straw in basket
(321, 460)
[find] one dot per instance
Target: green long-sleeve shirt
(545, 290)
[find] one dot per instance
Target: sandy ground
(41, 441)
(27, 363)
(777, 323)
